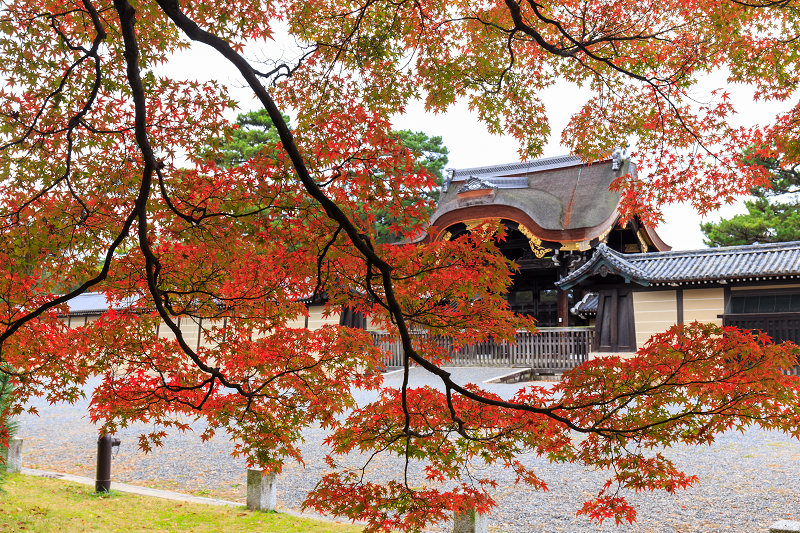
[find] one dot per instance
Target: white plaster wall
(703, 305)
(654, 312)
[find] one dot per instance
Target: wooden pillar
(563, 309)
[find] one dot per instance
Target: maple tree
(107, 184)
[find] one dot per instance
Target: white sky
(471, 145)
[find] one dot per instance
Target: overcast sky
(471, 145)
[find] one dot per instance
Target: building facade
(637, 295)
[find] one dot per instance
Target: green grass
(31, 503)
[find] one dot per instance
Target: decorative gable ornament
(619, 157)
(476, 191)
(476, 184)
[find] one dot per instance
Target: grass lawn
(30, 503)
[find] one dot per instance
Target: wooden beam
(563, 308)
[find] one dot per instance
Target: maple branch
(190, 218)
(361, 241)
(58, 90)
(194, 32)
(656, 84)
(320, 259)
(125, 229)
(453, 415)
(285, 71)
(765, 3)
(152, 264)
(74, 120)
(340, 48)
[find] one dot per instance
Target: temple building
(755, 286)
(580, 266)
(556, 211)
(594, 284)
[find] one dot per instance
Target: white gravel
(747, 481)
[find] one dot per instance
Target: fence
(548, 350)
(780, 326)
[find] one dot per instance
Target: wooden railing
(548, 350)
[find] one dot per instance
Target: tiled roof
(587, 305)
(91, 303)
(534, 165)
(731, 263)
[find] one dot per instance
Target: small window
(523, 297)
(548, 296)
(764, 303)
(783, 303)
(775, 312)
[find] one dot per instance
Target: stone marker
(470, 522)
(13, 455)
(261, 491)
(785, 526)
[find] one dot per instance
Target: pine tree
(255, 132)
(773, 213)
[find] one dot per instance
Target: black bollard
(104, 444)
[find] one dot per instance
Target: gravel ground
(747, 481)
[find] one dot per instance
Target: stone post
(470, 521)
(261, 491)
(13, 455)
(785, 526)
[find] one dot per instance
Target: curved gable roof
(605, 261)
(556, 198)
